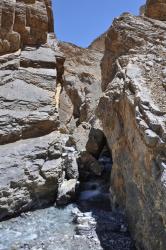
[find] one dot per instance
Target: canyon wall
(133, 113)
(43, 100)
(49, 92)
(31, 148)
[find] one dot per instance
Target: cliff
(41, 95)
(62, 107)
(133, 114)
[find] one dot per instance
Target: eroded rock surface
(30, 172)
(24, 22)
(33, 153)
(49, 92)
(98, 43)
(156, 9)
(81, 85)
(133, 113)
(27, 91)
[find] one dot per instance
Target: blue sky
(81, 21)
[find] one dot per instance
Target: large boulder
(30, 171)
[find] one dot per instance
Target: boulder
(66, 192)
(30, 171)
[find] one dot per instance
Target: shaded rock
(88, 165)
(96, 142)
(89, 138)
(132, 110)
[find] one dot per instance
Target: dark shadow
(94, 196)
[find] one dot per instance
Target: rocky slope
(133, 114)
(61, 113)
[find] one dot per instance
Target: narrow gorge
(82, 132)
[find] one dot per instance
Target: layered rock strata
(133, 114)
(41, 94)
(33, 153)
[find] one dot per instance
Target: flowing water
(88, 224)
(49, 228)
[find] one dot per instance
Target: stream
(87, 224)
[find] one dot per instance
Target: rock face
(33, 153)
(24, 22)
(49, 92)
(30, 172)
(81, 85)
(156, 9)
(40, 95)
(33, 159)
(79, 97)
(99, 43)
(133, 114)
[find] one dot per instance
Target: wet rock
(49, 228)
(86, 227)
(66, 191)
